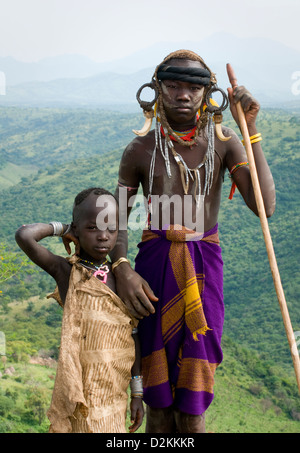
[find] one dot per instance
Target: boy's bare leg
(170, 420)
(160, 420)
(188, 423)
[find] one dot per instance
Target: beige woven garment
(95, 360)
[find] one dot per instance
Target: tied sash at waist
(178, 233)
(189, 281)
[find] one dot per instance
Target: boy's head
(95, 222)
(182, 69)
(185, 69)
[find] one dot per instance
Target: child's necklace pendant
(102, 271)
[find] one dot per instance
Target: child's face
(97, 227)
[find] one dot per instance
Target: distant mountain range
(266, 67)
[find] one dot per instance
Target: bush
(6, 405)
(255, 389)
(37, 403)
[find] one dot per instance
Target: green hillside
(251, 395)
(38, 138)
(70, 150)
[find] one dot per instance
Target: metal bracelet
(58, 228)
(136, 386)
(120, 260)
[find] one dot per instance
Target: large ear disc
(147, 109)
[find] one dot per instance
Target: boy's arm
(28, 237)
(236, 154)
(131, 287)
(134, 291)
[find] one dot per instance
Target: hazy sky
(111, 29)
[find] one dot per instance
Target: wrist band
(259, 139)
(136, 386)
(58, 228)
(120, 260)
(254, 138)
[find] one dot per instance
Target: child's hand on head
(68, 239)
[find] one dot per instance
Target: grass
(233, 410)
(27, 381)
(11, 174)
(247, 399)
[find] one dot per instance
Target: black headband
(200, 76)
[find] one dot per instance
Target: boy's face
(96, 227)
(182, 100)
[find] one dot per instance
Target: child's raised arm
(28, 237)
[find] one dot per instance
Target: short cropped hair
(86, 192)
(81, 196)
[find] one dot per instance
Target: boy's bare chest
(194, 158)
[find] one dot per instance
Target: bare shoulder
(136, 157)
(139, 145)
(228, 132)
(232, 150)
(224, 145)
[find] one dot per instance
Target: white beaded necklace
(186, 172)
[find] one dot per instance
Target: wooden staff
(266, 232)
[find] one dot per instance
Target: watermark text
(2, 84)
(163, 210)
(2, 344)
(295, 88)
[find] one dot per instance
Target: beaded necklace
(101, 270)
(185, 172)
(187, 135)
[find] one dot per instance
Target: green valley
(46, 157)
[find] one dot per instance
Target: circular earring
(147, 108)
(214, 108)
(145, 105)
(217, 110)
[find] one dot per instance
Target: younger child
(99, 348)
